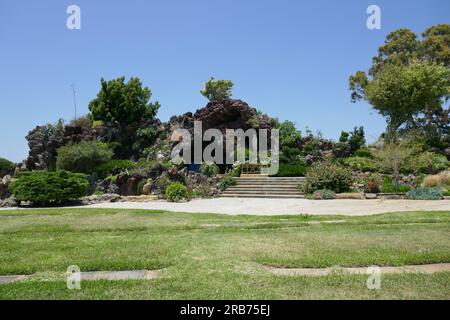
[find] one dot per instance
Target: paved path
(235, 206)
(425, 268)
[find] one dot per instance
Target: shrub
(372, 183)
(427, 162)
(203, 190)
(83, 157)
(226, 182)
(435, 180)
(291, 170)
(327, 175)
(6, 167)
(363, 153)
(431, 181)
(163, 181)
(140, 186)
(444, 176)
(361, 163)
(176, 192)
(387, 185)
(42, 187)
(217, 90)
(403, 188)
(209, 169)
(425, 194)
(114, 167)
(324, 195)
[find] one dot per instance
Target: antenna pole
(74, 100)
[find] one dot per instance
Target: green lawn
(206, 256)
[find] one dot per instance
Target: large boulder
(230, 114)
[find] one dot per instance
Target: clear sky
(290, 59)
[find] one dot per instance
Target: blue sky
(290, 59)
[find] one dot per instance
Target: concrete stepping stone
(119, 275)
(97, 275)
(12, 278)
(425, 268)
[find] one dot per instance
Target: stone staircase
(259, 186)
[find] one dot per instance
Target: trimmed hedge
(46, 188)
(291, 170)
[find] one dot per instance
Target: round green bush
(361, 163)
(209, 169)
(176, 192)
(6, 167)
(327, 175)
(46, 188)
(83, 157)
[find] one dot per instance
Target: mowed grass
(206, 256)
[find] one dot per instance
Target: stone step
(269, 182)
(276, 196)
(271, 178)
(248, 187)
(272, 186)
(262, 192)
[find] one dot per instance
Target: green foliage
(427, 162)
(291, 170)
(425, 194)
(393, 156)
(387, 186)
(327, 175)
(324, 195)
(163, 181)
(361, 163)
(126, 113)
(209, 169)
(176, 192)
(354, 139)
(217, 90)
(83, 157)
(226, 181)
(114, 167)
(43, 188)
(6, 167)
(400, 92)
(122, 103)
(289, 135)
(364, 153)
(372, 183)
(403, 188)
(140, 186)
(408, 78)
(203, 190)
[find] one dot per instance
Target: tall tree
(409, 80)
(123, 107)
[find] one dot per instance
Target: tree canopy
(122, 103)
(409, 80)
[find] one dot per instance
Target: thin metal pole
(74, 100)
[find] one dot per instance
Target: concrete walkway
(425, 268)
(250, 206)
